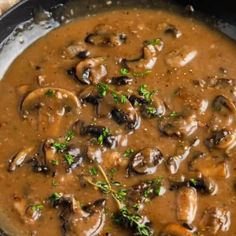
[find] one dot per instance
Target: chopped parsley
(69, 159)
(102, 89)
(54, 197)
(50, 93)
(175, 114)
(193, 182)
(143, 91)
(37, 207)
(129, 152)
(153, 42)
(151, 110)
(102, 136)
(69, 136)
(124, 71)
(55, 162)
(93, 171)
(119, 98)
(113, 171)
(60, 147)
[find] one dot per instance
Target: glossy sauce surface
(130, 111)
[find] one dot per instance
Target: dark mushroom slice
(173, 162)
(90, 95)
(157, 108)
(146, 161)
(186, 205)
(223, 105)
(179, 126)
(170, 29)
(137, 100)
(215, 219)
(203, 185)
(175, 230)
(121, 80)
(91, 70)
(85, 221)
(145, 191)
(221, 139)
(20, 158)
(121, 112)
(146, 61)
(95, 131)
(180, 57)
(37, 107)
(105, 36)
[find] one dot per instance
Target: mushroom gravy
(121, 124)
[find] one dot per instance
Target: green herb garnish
(151, 110)
(37, 207)
(133, 221)
(143, 91)
(102, 89)
(60, 147)
(69, 159)
(93, 171)
(175, 114)
(119, 98)
(103, 187)
(55, 162)
(121, 194)
(104, 134)
(69, 136)
(153, 42)
(124, 71)
(193, 182)
(54, 197)
(50, 93)
(129, 152)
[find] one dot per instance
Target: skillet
(31, 19)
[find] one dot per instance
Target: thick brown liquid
(215, 58)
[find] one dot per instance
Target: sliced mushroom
(86, 221)
(170, 29)
(137, 100)
(180, 57)
(94, 154)
(90, 95)
(157, 108)
(173, 162)
(20, 158)
(146, 61)
(210, 166)
(221, 139)
(121, 80)
(215, 219)
(175, 230)
(96, 132)
(76, 49)
(186, 202)
(204, 185)
(122, 113)
(39, 103)
(105, 36)
(223, 104)
(179, 126)
(146, 161)
(91, 70)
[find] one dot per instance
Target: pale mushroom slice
(175, 230)
(53, 109)
(181, 57)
